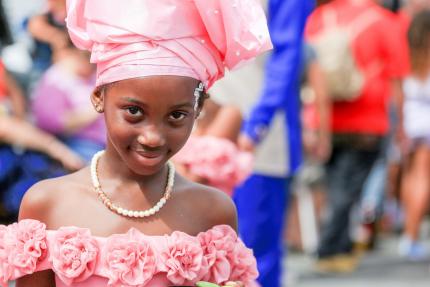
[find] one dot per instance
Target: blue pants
(261, 203)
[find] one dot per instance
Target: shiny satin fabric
(195, 38)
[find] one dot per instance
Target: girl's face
(148, 119)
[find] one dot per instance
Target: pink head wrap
(194, 38)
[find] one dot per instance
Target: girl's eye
(135, 111)
(177, 116)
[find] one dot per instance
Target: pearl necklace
(125, 212)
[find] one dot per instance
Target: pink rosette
(23, 245)
(182, 259)
(224, 166)
(217, 244)
(73, 254)
(129, 259)
(243, 264)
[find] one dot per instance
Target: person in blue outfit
(261, 201)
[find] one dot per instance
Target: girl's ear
(97, 99)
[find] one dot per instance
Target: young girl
(128, 219)
(416, 183)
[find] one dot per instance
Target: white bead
(216, 11)
(238, 53)
(122, 211)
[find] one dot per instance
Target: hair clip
(197, 94)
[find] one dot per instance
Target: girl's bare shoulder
(211, 205)
(43, 197)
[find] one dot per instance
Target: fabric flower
(182, 259)
(130, 259)
(23, 245)
(224, 166)
(74, 254)
(217, 244)
(244, 265)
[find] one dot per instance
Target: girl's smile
(150, 158)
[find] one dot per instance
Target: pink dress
(80, 259)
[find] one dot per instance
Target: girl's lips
(149, 158)
(148, 154)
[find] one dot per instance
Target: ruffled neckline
(124, 259)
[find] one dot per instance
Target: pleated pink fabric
(194, 38)
(130, 259)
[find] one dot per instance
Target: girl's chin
(146, 165)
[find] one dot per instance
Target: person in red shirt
(359, 125)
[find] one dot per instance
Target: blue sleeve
(287, 19)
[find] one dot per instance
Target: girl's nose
(151, 137)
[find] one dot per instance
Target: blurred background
(323, 143)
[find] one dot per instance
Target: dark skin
(148, 121)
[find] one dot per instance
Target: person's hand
(228, 284)
(234, 284)
(245, 143)
(317, 145)
(323, 148)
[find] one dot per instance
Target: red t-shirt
(382, 45)
(3, 88)
(404, 20)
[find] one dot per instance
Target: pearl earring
(99, 109)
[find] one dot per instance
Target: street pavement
(381, 268)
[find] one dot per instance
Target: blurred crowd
(349, 136)
(48, 127)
